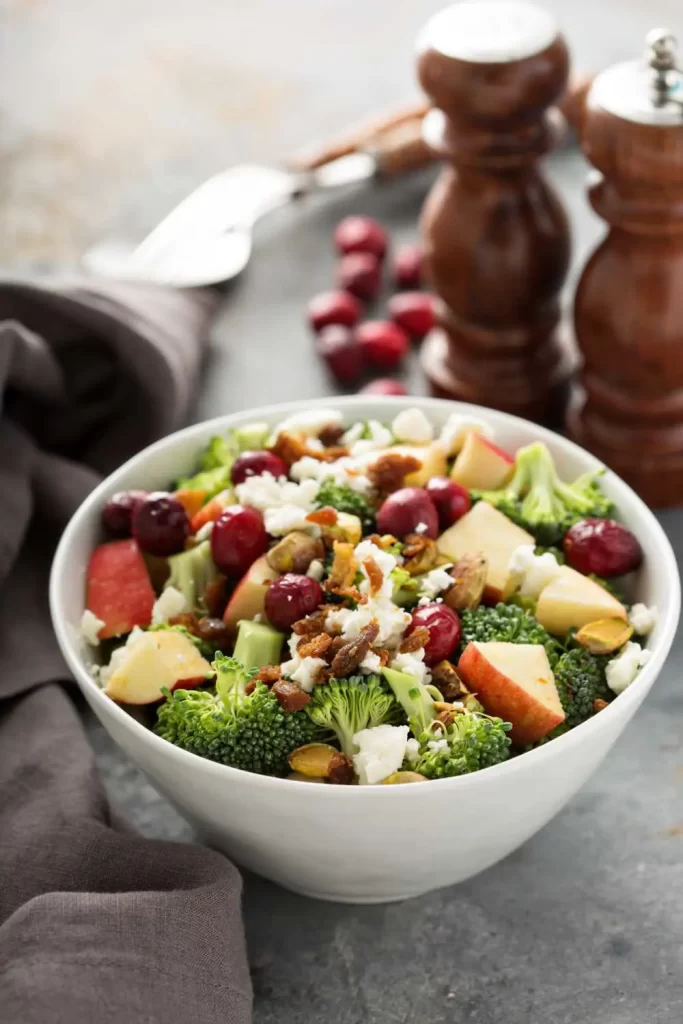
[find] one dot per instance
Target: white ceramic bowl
(364, 844)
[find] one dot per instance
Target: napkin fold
(96, 923)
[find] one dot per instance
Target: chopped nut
(375, 575)
(312, 760)
(388, 473)
(398, 777)
(448, 682)
(599, 704)
(415, 641)
(421, 554)
(290, 696)
(446, 717)
(340, 771)
(604, 636)
(349, 657)
(295, 552)
(469, 575)
(331, 434)
(316, 647)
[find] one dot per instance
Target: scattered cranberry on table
(361, 234)
(290, 598)
(383, 386)
(413, 312)
(160, 524)
(360, 274)
(255, 464)
(238, 538)
(334, 308)
(117, 514)
(405, 511)
(452, 500)
(444, 631)
(603, 547)
(337, 345)
(407, 269)
(383, 344)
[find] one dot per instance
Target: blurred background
(112, 110)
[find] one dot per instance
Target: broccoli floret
(580, 680)
(215, 466)
(345, 499)
(470, 743)
(191, 573)
(247, 731)
(538, 500)
(507, 623)
(346, 706)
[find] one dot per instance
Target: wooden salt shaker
(497, 240)
(628, 408)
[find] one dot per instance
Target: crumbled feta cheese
(371, 662)
(354, 433)
(169, 604)
(281, 521)
(90, 627)
(530, 573)
(309, 423)
(421, 528)
(380, 752)
(457, 427)
(391, 619)
(344, 471)
(423, 602)
(622, 670)
(204, 532)
(412, 662)
(412, 751)
(303, 671)
(385, 561)
(435, 581)
(315, 444)
(643, 619)
(316, 570)
(412, 425)
(264, 492)
(438, 744)
(380, 437)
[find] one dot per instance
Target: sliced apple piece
(514, 682)
(484, 529)
(572, 600)
(160, 658)
(249, 596)
(481, 464)
(118, 588)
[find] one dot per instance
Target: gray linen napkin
(96, 923)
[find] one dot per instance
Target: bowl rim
(668, 621)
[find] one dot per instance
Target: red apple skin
(502, 697)
(119, 590)
(497, 449)
(181, 684)
(249, 596)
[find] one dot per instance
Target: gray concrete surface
(109, 112)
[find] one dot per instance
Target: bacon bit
(390, 470)
(312, 624)
(291, 448)
(290, 696)
(415, 641)
(323, 516)
(349, 657)
(421, 554)
(269, 674)
(384, 542)
(375, 575)
(315, 648)
(343, 572)
(599, 704)
(250, 687)
(448, 682)
(188, 620)
(337, 643)
(331, 435)
(340, 770)
(383, 655)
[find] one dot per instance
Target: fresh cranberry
(452, 500)
(255, 464)
(160, 524)
(603, 547)
(238, 538)
(383, 343)
(413, 312)
(291, 598)
(444, 631)
(337, 345)
(333, 308)
(117, 514)
(383, 386)
(361, 234)
(408, 266)
(406, 510)
(360, 273)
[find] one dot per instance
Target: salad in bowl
(366, 601)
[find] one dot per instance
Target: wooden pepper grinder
(628, 408)
(497, 240)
